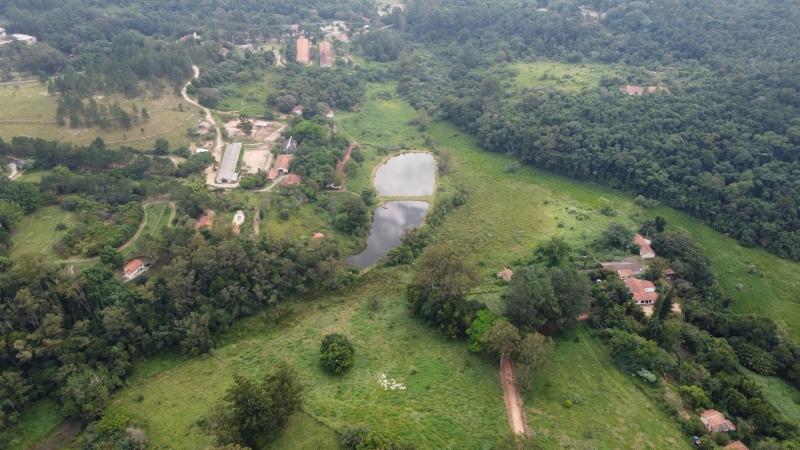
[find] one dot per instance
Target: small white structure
(201, 150)
(2, 33)
(238, 218)
(24, 38)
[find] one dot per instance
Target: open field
(29, 111)
(248, 98)
(36, 233)
(559, 75)
(452, 400)
(609, 411)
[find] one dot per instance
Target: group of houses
(303, 52)
(642, 90)
(631, 270)
(16, 37)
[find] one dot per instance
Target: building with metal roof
(227, 168)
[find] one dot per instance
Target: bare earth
(513, 400)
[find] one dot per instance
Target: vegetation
(336, 353)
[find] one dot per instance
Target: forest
(716, 135)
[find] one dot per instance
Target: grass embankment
(605, 409)
(36, 233)
(28, 110)
(453, 399)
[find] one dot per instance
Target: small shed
(506, 274)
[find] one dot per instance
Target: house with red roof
(645, 251)
(736, 445)
(133, 269)
(292, 179)
(716, 422)
(644, 292)
(281, 167)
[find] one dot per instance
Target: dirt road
(513, 399)
(216, 152)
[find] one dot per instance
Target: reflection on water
(407, 175)
(388, 225)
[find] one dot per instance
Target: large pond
(389, 223)
(407, 175)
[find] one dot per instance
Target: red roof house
(645, 251)
(716, 422)
(281, 167)
(644, 292)
(133, 269)
(736, 445)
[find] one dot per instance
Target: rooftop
(645, 251)
(227, 168)
(715, 421)
(292, 179)
(133, 265)
(303, 53)
(644, 292)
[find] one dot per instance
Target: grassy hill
(28, 110)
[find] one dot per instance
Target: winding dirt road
(216, 152)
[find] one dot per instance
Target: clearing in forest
(559, 75)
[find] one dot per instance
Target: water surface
(389, 223)
(407, 175)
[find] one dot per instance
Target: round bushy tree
(336, 353)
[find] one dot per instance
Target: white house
(133, 269)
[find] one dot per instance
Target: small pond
(407, 175)
(389, 223)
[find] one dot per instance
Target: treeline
(74, 112)
(74, 339)
(631, 31)
(706, 148)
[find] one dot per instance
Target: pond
(389, 223)
(406, 175)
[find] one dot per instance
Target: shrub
(336, 353)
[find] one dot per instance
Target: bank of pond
(406, 175)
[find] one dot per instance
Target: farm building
(193, 36)
(303, 50)
(325, 54)
(24, 38)
(292, 179)
(298, 110)
(281, 167)
(227, 168)
(201, 150)
(133, 269)
(716, 422)
(644, 292)
(736, 445)
(645, 251)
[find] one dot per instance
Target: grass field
(559, 75)
(453, 399)
(29, 111)
(157, 216)
(36, 233)
(246, 98)
(35, 424)
(608, 410)
(785, 397)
